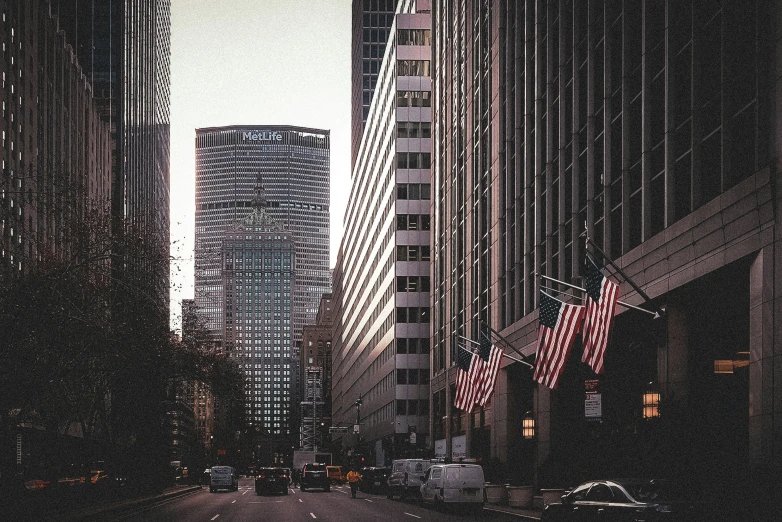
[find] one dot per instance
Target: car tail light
(261, 476)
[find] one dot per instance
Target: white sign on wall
(439, 449)
(261, 135)
(459, 447)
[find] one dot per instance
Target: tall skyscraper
(124, 49)
(371, 21)
(381, 280)
(293, 166)
(258, 258)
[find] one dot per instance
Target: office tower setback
(292, 164)
(381, 281)
(258, 276)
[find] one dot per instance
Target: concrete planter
(520, 496)
(495, 493)
(551, 496)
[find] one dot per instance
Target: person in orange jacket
(353, 479)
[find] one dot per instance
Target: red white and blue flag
(559, 325)
(490, 357)
(602, 296)
(467, 389)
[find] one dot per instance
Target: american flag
(490, 356)
(559, 324)
(466, 383)
(602, 295)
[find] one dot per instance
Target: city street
(334, 506)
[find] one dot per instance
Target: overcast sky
(254, 62)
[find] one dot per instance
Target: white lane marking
(313, 515)
(340, 491)
(245, 492)
(233, 502)
(367, 500)
(411, 515)
(214, 517)
(300, 500)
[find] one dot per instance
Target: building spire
(259, 196)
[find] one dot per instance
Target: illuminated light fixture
(651, 399)
(723, 366)
(528, 426)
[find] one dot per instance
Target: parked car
(336, 474)
(223, 477)
(623, 500)
(375, 480)
(313, 475)
(271, 480)
(453, 484)
(405, 478)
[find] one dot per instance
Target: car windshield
(650, 491)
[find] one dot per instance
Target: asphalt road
(334, 506)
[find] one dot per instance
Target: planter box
(520, 496)
(550, 496)
(495, 493)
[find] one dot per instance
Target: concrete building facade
(315, 379)
(55, 150)
(652, 125)
(381, 281)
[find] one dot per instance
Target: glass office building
(371, 20)
(292, 164)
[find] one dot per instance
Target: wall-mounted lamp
(528, 425)
(651, 400)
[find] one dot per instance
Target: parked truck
(302, 457)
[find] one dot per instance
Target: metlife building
(292, 166)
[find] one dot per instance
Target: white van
(405, 478)
(223, 477)
(453, 483)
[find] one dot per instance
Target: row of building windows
(412, 283)
(413, 129)
(413, 99)
(412, 67)
(413, 191)
(413, 222)
(413, 253)
(412, 407)
(413, 160)
(414, 37)
(412, 345)
(412, 376)
(412, 314)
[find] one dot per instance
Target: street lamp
(528, 425)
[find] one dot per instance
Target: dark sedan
(271, 480)
(631, 500)
(374, 480)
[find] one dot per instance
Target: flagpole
(626, 305)
(504, 340)
(658, 311)
(503, 353)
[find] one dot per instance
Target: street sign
(593, 400)
(356, 428)
(338, 429)
(412, 438)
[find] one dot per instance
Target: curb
(113, 508)
(514, 513)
